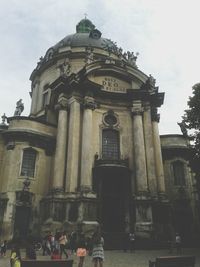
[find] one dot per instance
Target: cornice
(36, 119)
(36, 139)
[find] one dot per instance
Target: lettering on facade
(112, 85)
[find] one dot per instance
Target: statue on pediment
(183, 128)
(19, 108)
(3, 117)
(152, 80)
(89, 55)
(65, 68)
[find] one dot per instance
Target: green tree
(191, 124)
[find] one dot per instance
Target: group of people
(62, 244)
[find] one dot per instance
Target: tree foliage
(191, 122)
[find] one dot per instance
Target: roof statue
(19, 108)
(183, 128)
(3, 117)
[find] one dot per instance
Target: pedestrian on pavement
(178, 242)
(46, 247)
(81, 249)
(63, 242)
(73, 241)
(132, 241)
(15, 257)
(98, 251)
(3, 248)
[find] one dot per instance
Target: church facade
(90, 152)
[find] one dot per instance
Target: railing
(117, 162)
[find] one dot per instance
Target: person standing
(98, 251)
(15, 257)
(72, 241)
(3, 248)
(178, 243)
(63, 242)
(81, 249)
(132, 242)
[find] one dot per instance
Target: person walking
(98, 251)
(63, 242)
(81, 249)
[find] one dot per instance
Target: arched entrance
(113, 187)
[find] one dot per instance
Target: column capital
(89, 103)
(137, 108)
(62, 104)
(147, 106)
(154, 115)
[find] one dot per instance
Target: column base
(162, 197)
(144, 223)
(57, 190)
(143, 230)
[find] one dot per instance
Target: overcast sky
(164, 32)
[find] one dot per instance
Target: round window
(110, 119)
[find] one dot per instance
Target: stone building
(90, 151)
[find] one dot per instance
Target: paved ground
(118, 258)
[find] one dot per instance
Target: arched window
(178, 171)
(110, 144)
(28, 162)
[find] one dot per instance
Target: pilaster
(149, 148)
(61, 142)
(139, 148)
(87, 146)
(73, 146)
(158, 154)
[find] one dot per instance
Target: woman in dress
(98, 251)
(81, 249)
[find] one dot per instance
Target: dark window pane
(28, 163)
(110, 144)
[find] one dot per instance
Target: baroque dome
(89, 38)
(86, 35)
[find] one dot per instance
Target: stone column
(150, 156)
(61, 142)
(73, 146)
(143, 225)
(87, 146)
(158, 153)
(139, 149)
